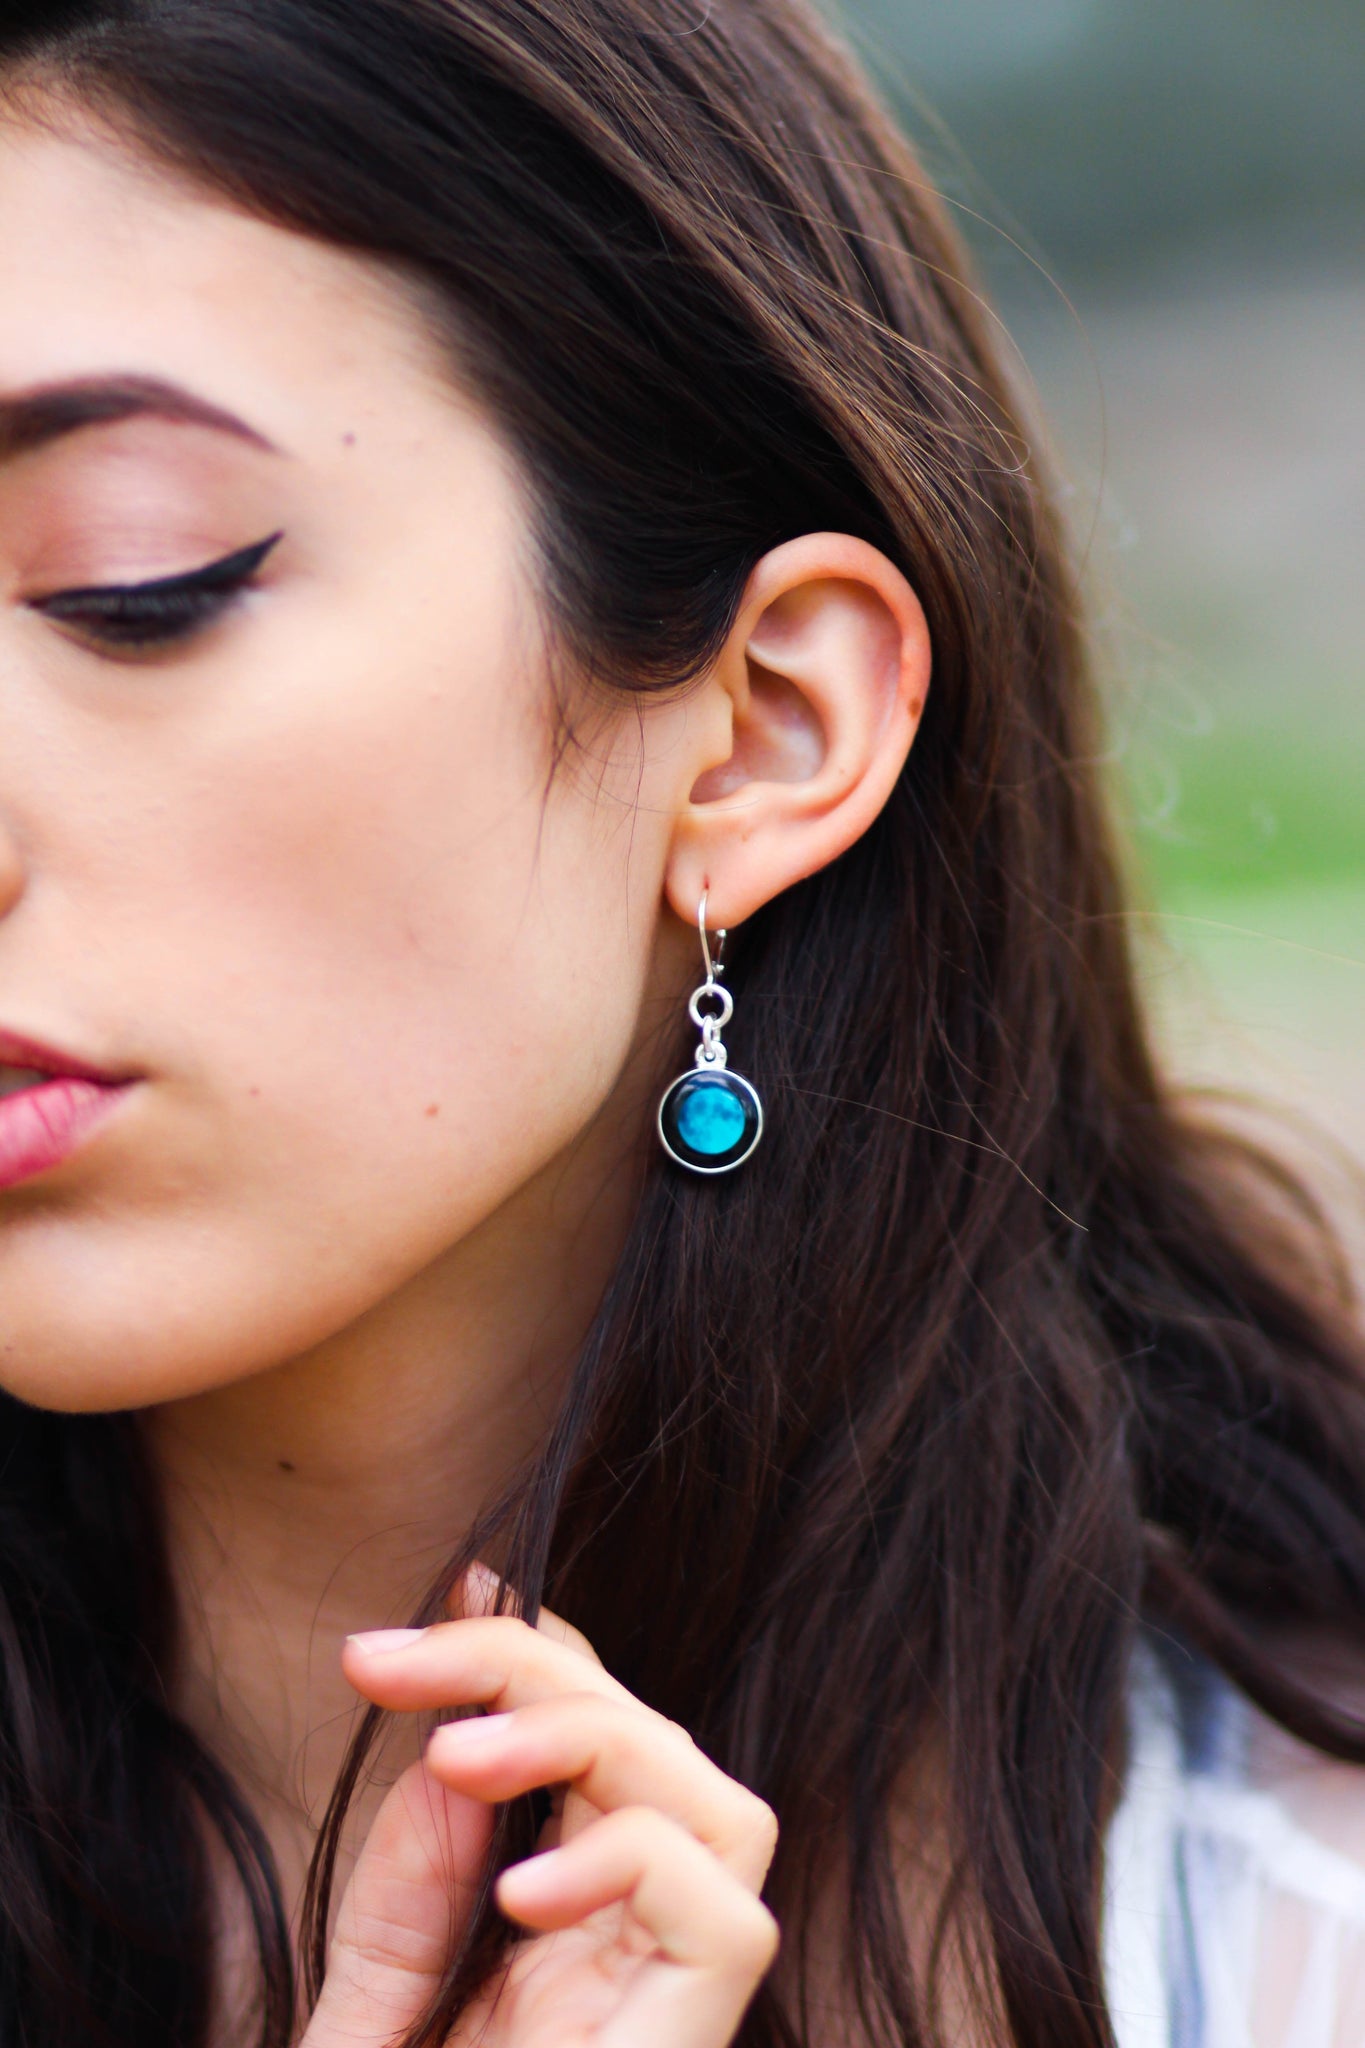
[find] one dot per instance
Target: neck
(325, 1494)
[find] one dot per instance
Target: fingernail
(480, 1731)
(530, 1876)
(377, 1642)
(477, 1593)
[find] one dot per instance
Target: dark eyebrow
(33, 419)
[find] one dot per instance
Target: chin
(85, 1363)
(102, 1313)
(80, 1387)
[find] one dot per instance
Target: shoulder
(1323, 1798)
(1235, 1873)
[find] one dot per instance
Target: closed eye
(133, 616)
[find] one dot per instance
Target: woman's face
(296, 873)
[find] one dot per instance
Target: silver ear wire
(714, 967)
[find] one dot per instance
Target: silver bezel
(740, 1081)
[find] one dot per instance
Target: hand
(647, 1930)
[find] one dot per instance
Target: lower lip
(41, 1127)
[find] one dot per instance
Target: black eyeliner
(226, 574)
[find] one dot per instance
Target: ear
(826, 673)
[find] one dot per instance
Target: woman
(493, 494)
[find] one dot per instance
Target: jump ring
(722, 996)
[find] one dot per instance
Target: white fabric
(1235, 1875)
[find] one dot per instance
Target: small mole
(434, 1110)
(286, 1466)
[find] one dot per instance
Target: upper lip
(46, 1059)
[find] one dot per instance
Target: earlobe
(827, 669)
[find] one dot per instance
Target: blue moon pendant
(710, 1120)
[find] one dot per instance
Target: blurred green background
(1167, 201)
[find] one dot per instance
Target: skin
(399, 1017)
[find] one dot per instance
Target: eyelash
(138, 616)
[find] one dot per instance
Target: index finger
(491, 1661)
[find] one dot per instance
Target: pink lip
(43, 1126)
(44, 1059)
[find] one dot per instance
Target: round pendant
(710, 1120)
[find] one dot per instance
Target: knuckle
(589, 1719)
(750, 1821)
(504, 1637)
(648, 1730)
(754, 1936)
(600, 1706)
(511, 1628)
(610, 1723)
(614, 1707)
(644, 1827)
(762, 1822)
(757, 1936)
(387, 1942)
(633, 1728)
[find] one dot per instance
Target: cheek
(403, 933)
(383, 981)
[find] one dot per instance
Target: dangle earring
(710, 1120)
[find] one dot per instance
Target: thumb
(402, 1914)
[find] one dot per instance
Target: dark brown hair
(877, 1452)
